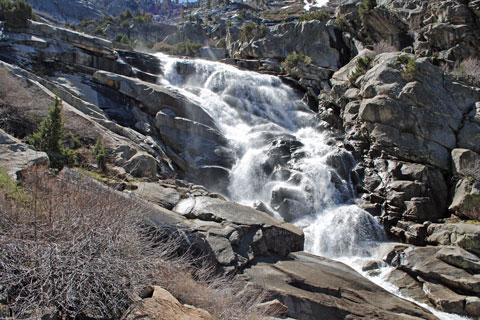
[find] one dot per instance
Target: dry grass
(14, 96)
(72, 247)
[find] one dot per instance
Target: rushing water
(283, 161)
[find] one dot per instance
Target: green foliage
(125, 24)
(99, 152)
(315, 15)
(251, 29)
(11, 189)
(16, 13)
(49, 138)
(187, 48)
(99, 30)
(363, 65)
(125, 15)
(295, 59)
(142, 17)
(366, 6)
(409, 63)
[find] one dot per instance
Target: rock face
(312, 38)
(311, 286)
(403, 123)
(16, 156)
(72, 11)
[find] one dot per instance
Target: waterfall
(284, 163)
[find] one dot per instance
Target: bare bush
(223, 297)
(469, 68)
(383, 46)
(72, 247)
(13, 97)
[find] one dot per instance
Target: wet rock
(407, 285)
(238, 234)
(309, 285)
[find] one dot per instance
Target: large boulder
(238, 234)
(16, 156)
(447, 275)
(466, 201)
(312, 286)
(464, 235)
(158, 303)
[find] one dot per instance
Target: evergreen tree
(99, 152)
(49, 138)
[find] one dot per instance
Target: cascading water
(284, 163)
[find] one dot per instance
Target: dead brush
(74, 248)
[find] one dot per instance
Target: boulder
(466, 236)
(155, 193)
(459, 258)
(238, 234)
(161, 304)
(311, 286)
(465, 162)
(466, 201)
(16, 156)
(422, 262)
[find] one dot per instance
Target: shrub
(49, 138)
(470, 69)
(125, 15)
(383, 46)
(142, 17)
(409, 63)
(187, 48)
(251, 29)
(366, 6)
(99, 30)
(315, 15)
(75, 249)
(295, 59)
(99, 152)
(15, 14)
(363, 65)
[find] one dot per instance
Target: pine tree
(49, 138)
(99, 152)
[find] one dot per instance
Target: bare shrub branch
(383, 46)
(73, 247)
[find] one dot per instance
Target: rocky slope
(412, 128)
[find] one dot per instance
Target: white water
(252, 110)
(314, 4)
